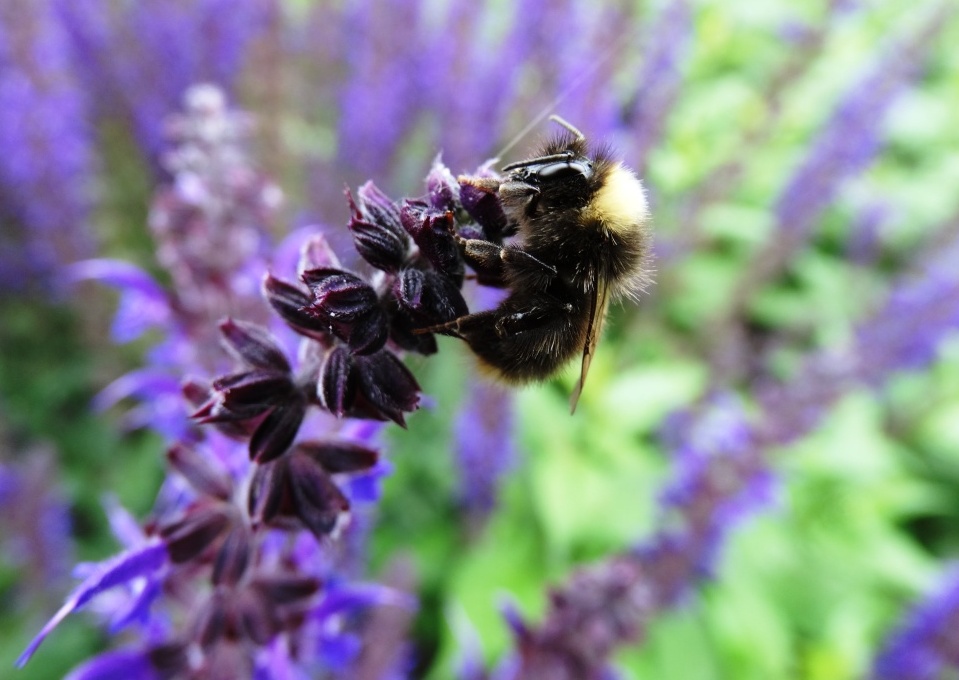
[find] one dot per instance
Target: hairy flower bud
(289, 302)
(196, 531)
(254, 345)
(480, 199)
(434, 233)
(350, 306)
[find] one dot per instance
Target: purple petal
(138, 609)
(357, 596)
(444, 191)
(119, 274)
(126, 664)
(143, 304)
(125, 567)
(339, 650)
(275, 663)
(367, 486)
(123, 525)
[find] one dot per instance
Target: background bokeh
(802, 165)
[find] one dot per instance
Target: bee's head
(559, 179)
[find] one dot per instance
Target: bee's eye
(564, 170)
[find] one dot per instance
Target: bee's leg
(457, 327)
(490, 260)
(449, 328)
(531, 319)
(484, 258)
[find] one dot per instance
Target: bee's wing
(594, 328)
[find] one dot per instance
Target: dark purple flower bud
(204, 402)
(317, 254)
(233, 557)
(382, 248)
(402, 335)
(370, 333)
(443, 188)
(169, 659)
(337, 382)
(289, 301)
(339, 295)
(199, 472)
(317, 501)
(253, 345)
(241, 396)
(386, 386)
(375, 207)
(197, 530)
(429, 297)
(195, 392)
(287, 589)
(339, 456)
(228, 657)
(211, 621)
(269, 495)
(434, 234)
(351, 308)
(408, 288)
(252, 617)
(274, 435)
(480, 198)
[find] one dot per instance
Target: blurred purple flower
(865, 240)
(484, 446)
(34, 523)
(918, 314)
(845, 145)
(668, 42)
(378, 101)
(48, 159)
(484, 435)
(167, 47)
(925, 645)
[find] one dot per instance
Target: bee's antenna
(605, 56)
(569, 126)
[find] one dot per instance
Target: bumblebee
(583, 239)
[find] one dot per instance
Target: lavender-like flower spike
(377, 101)
(34, 523)
(232, 548)
(48, 157)
(920, 311)
(211, 224)
(925, 645)
(845, 145)
(484, 445)
(484, 431)
(170, 46)
(600, 608)
(660, 78)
